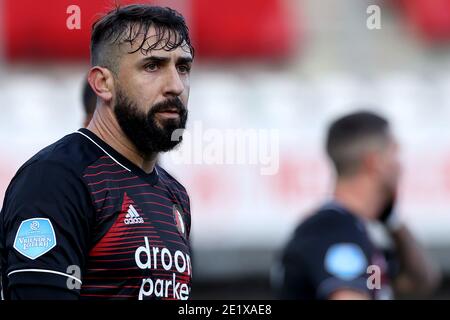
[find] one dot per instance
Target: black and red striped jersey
(82, 218)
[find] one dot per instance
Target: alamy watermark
(373, 21)
(73, 21)
(212, 146)
(374, 279)
(74, 276)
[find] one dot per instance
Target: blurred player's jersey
(331, 250)
(80, 216)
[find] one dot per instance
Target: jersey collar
(117, 157)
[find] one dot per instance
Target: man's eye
(151, 67)
(184, 69)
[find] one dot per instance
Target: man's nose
(174, 86)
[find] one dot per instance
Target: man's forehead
(161, 44)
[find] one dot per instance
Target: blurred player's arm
(348, 294)
(418, 274)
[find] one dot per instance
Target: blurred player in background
(330, 255)
(92, 216)
(89, 102)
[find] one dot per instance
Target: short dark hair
(351, 135)
(89, 98)
(125, 24)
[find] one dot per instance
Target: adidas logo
(132, 216)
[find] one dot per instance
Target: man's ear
(102, 82)
(371, 161)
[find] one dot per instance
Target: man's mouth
(169, 113)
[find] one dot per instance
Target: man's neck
(358, 195)
(105, 126)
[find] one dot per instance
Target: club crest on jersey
(179, 220)
(35, 237)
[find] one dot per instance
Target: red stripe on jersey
(110, 260)
(158, 187)
(119, 277)
(126, 231)
(117, 248)
(116, 243)
(114, 239)
(163, 213)
(123, 187)
(112, 180)
(168, 185)
(103, 172)
(103, 165)
(103, 199)
(151, 244)
(177, 234)
(165, 222)
(110, 269)
(154, 194)
(137, 237)
(97, 253)
(104, 208)
(157, 203)
(178, 242)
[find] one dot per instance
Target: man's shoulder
(64, 160)
(169, 180)
(55, 170)
(327, 218)
(70, 153)
(327, 225)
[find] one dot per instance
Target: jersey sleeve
(45, 228)
(335, 256)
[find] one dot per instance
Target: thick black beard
(142, 129)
